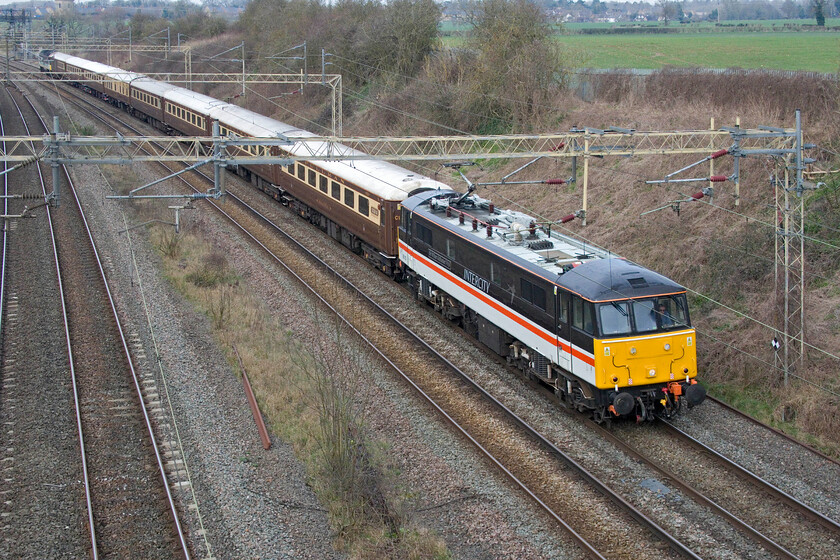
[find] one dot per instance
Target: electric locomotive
(607, 335)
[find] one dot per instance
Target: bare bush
(219, 306)
(169, 243)
(336, 374)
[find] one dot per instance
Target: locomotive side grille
(541, 364)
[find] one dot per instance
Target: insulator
(556, 182)
(698, 195)
(567, 219)
(491, 208)
(28, 161)
(489, 231)
(448, 211)
(559, 146)
(717, 178)
(532, 229)
(719, 153)
(475, 224)
(461, 218)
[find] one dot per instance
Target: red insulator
(719, 153)
(448, 211)
(532, 229)
(475, 224)
(492, 207)
(566, 219)
(461, 218)
(555, 182)
(717, 178)
(489, 231)
(559, 146)
(698, 195)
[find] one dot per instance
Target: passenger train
(607, 336)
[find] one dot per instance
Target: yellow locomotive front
(646, 355)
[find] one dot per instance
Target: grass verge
(312, 394)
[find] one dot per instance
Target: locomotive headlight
(633, 350)
(667, 347)
(652, 373)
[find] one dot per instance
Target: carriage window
(614, 318)
(312, 177)
(562, 310)
(292, 168)
(348, 197)
(495, 273)
(323, 185)
(301, 172)
(336, 191)
(364, 206)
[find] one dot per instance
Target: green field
(703, 25)
(700, 44)
(817, 52)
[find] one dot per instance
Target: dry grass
(311, 390)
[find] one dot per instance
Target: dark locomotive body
(576, 318)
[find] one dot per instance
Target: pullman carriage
(147, 100)
(235, 122)
(355, 201)
(117, 85)
(85, 74)
(188, 112)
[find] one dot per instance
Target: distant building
(65, 6)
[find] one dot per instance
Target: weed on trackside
(313, 398)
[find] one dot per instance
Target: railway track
(129, 507)
(779, 433)
(518, 451)
(783, 525)
(764, 541)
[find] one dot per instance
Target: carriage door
(561, 303)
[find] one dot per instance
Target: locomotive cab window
(614, 318)
(660, 313)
